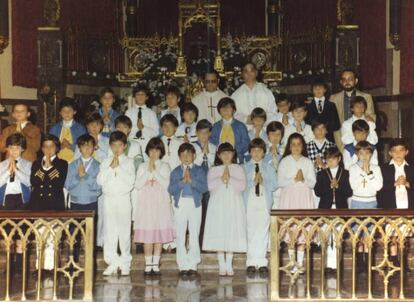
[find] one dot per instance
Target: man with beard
(343, 99)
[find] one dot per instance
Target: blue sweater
(111, 123)
(198, 184)
(241, 136)
(77, 130)
(83, 190)
(269, 181)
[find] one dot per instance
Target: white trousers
(258, 223)
(187, 216)
(100, 222)
(117, 229)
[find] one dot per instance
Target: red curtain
(26, 18)
(407, 47)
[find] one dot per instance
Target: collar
(353, 93)
(142, 106)
(51, 159)
(355, 118)
(185, 166)
(67, 124)
(86, 159)
(320, 143)
(392, 162)
(185, 125)
(257, 162)
(227, 122)
(251, 89)
(213, 93)
(320, 99)
(23, 124)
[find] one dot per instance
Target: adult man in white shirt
(253, 94)
(207, 100)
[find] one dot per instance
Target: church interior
(56, 49)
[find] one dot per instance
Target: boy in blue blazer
(230, 130)
(258, 196)
(81, 182)
(67, 130)
(188, 183)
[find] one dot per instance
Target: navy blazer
(241, 136)
(329, 115)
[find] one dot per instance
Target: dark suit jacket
(47, 186)
(324, 191)
(386, 196)
(329, 115)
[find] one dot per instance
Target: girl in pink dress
(153, 223)
(225, 228)
(296, 178)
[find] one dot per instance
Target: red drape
(407, 47)
(26, 18)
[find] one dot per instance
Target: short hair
(118, 136)
(212, 71)
(351, 71)
(187, 107)
(360, 125)
(106, 90)
(21, 104)
(186, 147)
(319, 81)
(223, 148)
(258, 113)
(169, 118)
(140, 88)
(274, 126)
(249, 63)
(50, 137)
(317, 122)
(399, 142)
(297, 105)
(224, 102)
(359, 100)
(123, 119)
(333, 152)
(257, 143)
(94, 117)
(85, 139)
(173, 90)
(16, 139)
(364, 145)
(67, 102)
(281, 97)
(203, 124)
(155, 143)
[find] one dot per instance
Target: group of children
(174, 174)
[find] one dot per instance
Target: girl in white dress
(225, 230)
(296, 178)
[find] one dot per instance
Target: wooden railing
(53, 237)
(344, 229)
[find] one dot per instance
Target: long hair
(288, 150)
(223, 148)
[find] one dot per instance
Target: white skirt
(225, 227)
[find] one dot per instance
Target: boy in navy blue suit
(188, 183)
(230, 130)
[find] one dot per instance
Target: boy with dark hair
(31, 133)
(117, 178)
(360, 130)
(133, 149)
(67, 130)
(229, 129)
(188, 183)
(259, 118)
(323, 109)
(173, 100)
(187, 130)
(169, 125)
(107, 99)
(283, 114)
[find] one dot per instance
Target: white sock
(221, 261)
(301, 256)
(229, 262)
(148, 264)
(156, 263)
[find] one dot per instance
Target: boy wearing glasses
(207, 100)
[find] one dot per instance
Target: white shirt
(306, 132)
(247, 99)
(206, 102)
(192, 135)
(51, 160)
(334, 171)
(67, 124)
(22, 176)
(347, 136)
(149, 119)
(200, 154)
(13, 187)
(171, 151)
(401, 195)
(322, 101)
(279, 118)
(176, 112)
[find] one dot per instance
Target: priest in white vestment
(253, 94)
(207, 100)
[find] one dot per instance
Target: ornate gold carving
(345, 11)
(181, 68)
(51, 12)
(4, 42)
